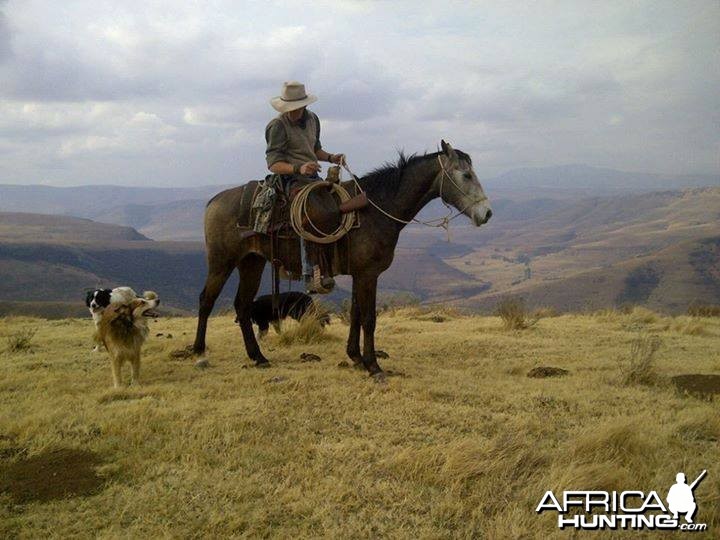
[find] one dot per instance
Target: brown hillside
(22, 227)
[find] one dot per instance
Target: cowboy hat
(293, 97)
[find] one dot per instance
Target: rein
(442, 222)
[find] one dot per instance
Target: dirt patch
(54, 474)
(547, 371)
(700, 385)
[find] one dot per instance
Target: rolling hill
(47, 262)
(658, 249)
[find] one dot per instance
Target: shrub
(309, 329)
(643, 315)
(640, 368)
(21, 340)
(514, 314)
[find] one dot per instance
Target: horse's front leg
(353, 342)
(366, 296)
(250, 269)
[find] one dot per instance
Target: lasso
(298, 212)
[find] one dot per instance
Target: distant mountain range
(554, 247)
(596, 181)
(177, 213)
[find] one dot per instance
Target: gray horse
(397, 193)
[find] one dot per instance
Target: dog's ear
(102, 297)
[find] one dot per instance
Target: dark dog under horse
(291, 304)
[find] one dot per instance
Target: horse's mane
(387, 177)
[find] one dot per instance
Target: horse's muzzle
(481, 215)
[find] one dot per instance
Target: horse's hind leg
(250, 269)
(353, 342)
(218, 273)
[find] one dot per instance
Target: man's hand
(310, 168)
(337, 159)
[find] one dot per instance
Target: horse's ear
(448, 150)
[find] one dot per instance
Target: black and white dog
(97, 300)
(290, 304)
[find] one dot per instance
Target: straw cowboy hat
(293, 97)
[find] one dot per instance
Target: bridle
(442, 222)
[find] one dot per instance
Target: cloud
(5, 44)
(177, 93)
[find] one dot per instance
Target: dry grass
(463, 445)
(306, 331)
(514, 314)
(640, 366)
(703, 310)
(21, 340)
(545, 313)
(641, 315)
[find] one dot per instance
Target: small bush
(643, 315)
(514, 314)
(21, 340)
(703, 310)
(308, 330)
(640, 368)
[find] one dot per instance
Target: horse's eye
(467, 176)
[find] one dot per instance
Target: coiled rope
(298, 214)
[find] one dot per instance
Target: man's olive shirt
(293, 143)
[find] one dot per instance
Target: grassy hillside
(460, 443)
(587, 254)
(657, 249)
(19, 227)
(667, 280)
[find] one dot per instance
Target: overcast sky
(172, 93)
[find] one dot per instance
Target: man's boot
(317, 283)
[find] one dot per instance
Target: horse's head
(459, 186)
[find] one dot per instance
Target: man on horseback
(293, 151)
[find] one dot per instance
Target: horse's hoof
(379, 378)
(202, 363)
(262, 364)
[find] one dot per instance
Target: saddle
(265, 207)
